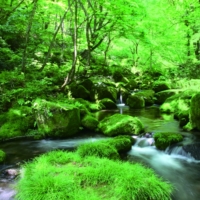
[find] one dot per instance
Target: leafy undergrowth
(66, 175)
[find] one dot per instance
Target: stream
(179, 165)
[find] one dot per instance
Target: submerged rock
(118, 124)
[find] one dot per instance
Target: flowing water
(180, 164)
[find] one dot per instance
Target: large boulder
(56, 119)
(195, 112)
(118, 124)
(135, 101)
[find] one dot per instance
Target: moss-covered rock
(132, 84)
(17, 122)
(79, 91)
(165, 139)
(160, 86)
(147, 95)
(2, 155)
(56, 119)
(163, 95)
(106, 92)
(89, 122)
(122, 143)
(118, 124)
(108, 103)
(135, 101)
(195, 111)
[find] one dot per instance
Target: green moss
(62, 175)
(89, 122)
(195, 111)
(148, 96)
(98, 149)
(122, 143)
(165, 139)
(118, 124)
(160, 86)
(56, 119)
(135, 101)
(108, 103)
(2, 155)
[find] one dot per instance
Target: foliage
(2, 155)
(17, 121)
(165, 139)
(64, 175)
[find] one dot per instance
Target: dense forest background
(45, 45)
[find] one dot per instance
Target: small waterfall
(120, 101)
(189, 151)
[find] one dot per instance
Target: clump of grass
(165, 139)
(2, 155)
(99, 149)
(66, 175)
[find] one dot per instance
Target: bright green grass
(60, 175)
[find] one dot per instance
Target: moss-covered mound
(135, 101)
(89, 122)
(109, 148)
(62, 175)
(118, 124)
(165, 139)
(2, 155)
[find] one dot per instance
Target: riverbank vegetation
(67, 175)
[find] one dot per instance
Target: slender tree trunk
(71, 73)
(53, 40)
(24, 56)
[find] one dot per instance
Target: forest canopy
(88, 37)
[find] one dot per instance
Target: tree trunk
(71, 73)
(53, 40)
(24, 56)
